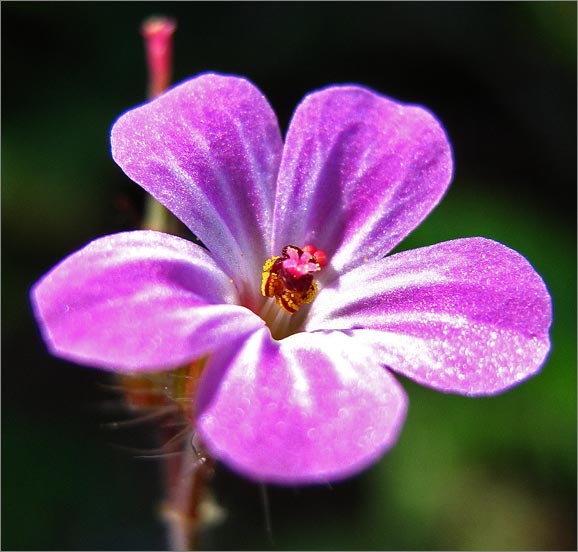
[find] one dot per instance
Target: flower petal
(467, 316)
(359, 172)
(209, 150)
(138, 301)
(308, 409)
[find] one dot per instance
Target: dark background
(495, 473)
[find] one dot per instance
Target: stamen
(289, 277)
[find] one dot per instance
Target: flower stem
(187, 508)
(157, 217)
(158, 40)
(184, 511)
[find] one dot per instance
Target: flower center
(289, 277)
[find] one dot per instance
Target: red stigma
(319, 254)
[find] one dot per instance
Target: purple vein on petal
(467, 316)
(308, 409)
(359, 172)
(138, 301)
(209, 150)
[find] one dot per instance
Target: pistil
(289, 278)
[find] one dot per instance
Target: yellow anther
(310, 294)
(289, 280)
(271, 284)
(269, 264)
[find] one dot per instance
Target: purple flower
(298, 387)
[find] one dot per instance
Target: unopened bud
(158, 38)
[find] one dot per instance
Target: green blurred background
(494, 473)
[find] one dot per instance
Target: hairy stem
(184, 510)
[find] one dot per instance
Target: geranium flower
(300, 312)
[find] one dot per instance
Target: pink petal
(467, 316)
(138, 301)
(359, 172)
(209, 150)
(308, 409)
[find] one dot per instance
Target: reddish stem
(158, 38)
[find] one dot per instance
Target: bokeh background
(492, 473)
